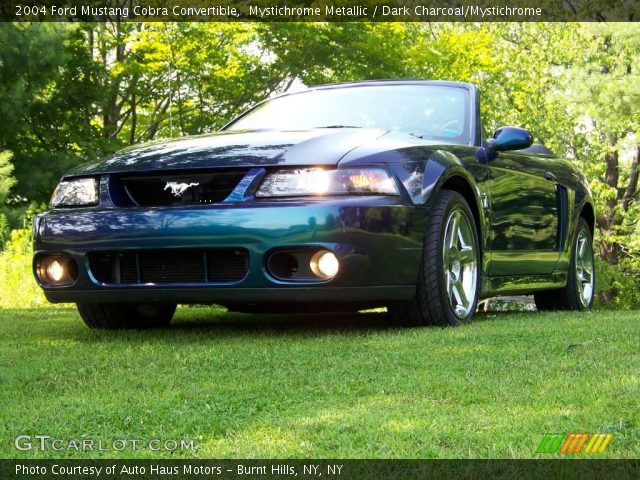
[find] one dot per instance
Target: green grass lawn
(245, 386)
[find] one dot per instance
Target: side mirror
(510, 138)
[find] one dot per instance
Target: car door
(523, 215)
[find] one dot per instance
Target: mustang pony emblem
(177, 189)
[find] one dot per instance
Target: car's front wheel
(114, 316)
(448, 283)
(579, 291)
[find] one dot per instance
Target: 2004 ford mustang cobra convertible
(340, 197)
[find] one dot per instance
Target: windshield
(427, 111)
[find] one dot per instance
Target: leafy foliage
(605, 98)
(48, 103)
(6, 179)
(18, 289)
(617, 286)
(5, 231)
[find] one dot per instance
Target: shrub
(6, 179)
(4, 230)
(617, 286)
(18, 289)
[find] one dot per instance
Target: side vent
(562, 200)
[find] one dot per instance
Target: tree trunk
(113, 108)
(134, 119)
(608, 220)
(611, 218)
(631, 192)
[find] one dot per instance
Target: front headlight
(75, 193)
(316, 181)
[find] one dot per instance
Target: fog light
(56, 270)
(324, 264)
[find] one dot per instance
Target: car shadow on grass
(212, 319)
(193, 324)
(299, 323)
(219, 324)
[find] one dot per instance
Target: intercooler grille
(221, 265)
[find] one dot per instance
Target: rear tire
(113, 316)
(449, 279)
(579, 292)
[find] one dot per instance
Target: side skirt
(521, 284)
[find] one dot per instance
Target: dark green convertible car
(339, 197)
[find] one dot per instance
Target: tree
(172, 79)
(72, 93)
(47, 103)
(6, 179)
(606, 98)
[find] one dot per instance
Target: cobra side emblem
(485, 200)
(177, 189)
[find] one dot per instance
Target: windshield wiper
(339, 126)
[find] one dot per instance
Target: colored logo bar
(574, 443)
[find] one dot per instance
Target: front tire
(448, 283)
(113, 316)
(579, 291)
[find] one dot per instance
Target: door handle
(550, 176)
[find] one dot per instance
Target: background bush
(617, 286)
(18, 289)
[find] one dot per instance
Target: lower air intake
(222, 265)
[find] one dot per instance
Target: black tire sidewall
(454, 201)
(568, 297)
(573, 284)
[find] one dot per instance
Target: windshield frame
(473, 127)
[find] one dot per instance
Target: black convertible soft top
(537, 148)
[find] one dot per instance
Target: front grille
(181, 189)
(185, 267)
(220, 265)
(128, 268)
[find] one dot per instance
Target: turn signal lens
(360, 181)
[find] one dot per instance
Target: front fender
(423, 179)
(424, 169)
(458, 171)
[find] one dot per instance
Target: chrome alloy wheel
(584, 268)
(459, 263)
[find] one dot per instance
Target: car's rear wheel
(448, 283)
(113, 316)
(579, 291)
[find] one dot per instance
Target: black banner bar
(319, 469)
(321, 10)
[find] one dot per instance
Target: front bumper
(378, 241)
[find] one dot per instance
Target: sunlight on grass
(262, 442)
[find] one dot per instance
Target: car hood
(236, 149)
